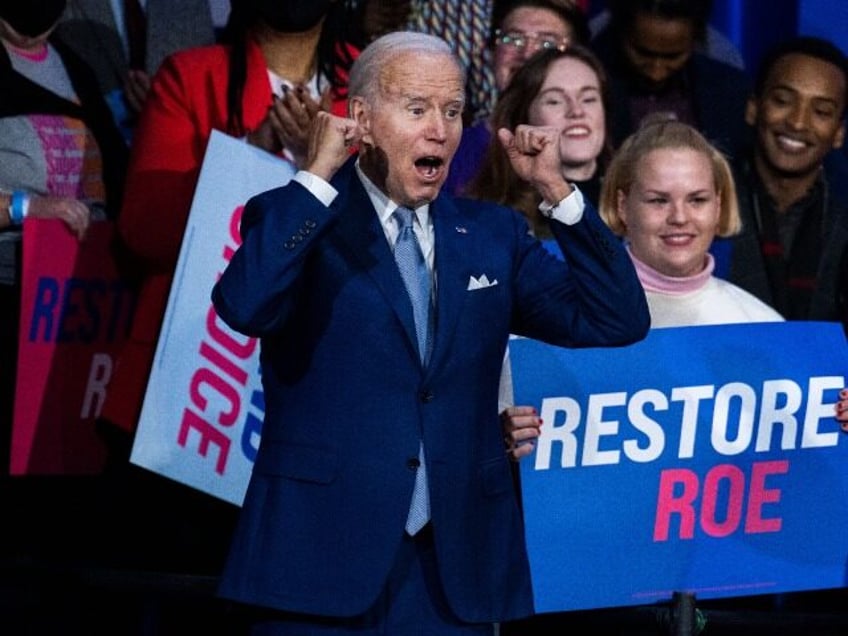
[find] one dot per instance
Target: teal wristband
(19, 207)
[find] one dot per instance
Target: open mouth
(429, 166)
(791, 144)
(576, 131)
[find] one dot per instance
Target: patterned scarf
(465, 24)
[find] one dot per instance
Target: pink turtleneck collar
(654, 281)
(38, 54)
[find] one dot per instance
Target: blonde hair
(660, 133)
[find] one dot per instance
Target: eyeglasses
(518, 40)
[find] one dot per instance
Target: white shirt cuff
(322, 190)
(568, 211)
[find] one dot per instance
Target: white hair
(365, 73)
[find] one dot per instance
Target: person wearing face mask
(50, 108)
(125, 41)
(278, 65)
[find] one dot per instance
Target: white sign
(203, 409)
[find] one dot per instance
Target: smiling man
(792, 186)
(382, 501)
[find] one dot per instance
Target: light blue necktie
(418, 282)
(416, 276)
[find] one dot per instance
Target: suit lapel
(454, 242)
(359, 228)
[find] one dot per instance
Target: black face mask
(31, 17)
(292, 16)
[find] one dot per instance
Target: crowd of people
(643, 200)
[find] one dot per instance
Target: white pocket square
(480, 283)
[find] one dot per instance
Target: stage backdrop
(702, 459)
(202, 413)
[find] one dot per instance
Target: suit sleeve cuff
(569, 210)
(321, 189)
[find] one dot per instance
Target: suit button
(427, 396)
(413, 463)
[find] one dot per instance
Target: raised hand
(533, 152)
(330, 141)
(287, 123)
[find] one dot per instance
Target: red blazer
(188, 99)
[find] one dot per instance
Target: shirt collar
(384, 206)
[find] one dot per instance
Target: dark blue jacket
(347, 397)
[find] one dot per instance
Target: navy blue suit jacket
(347, 398)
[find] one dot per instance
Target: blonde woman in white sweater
(668, 193)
